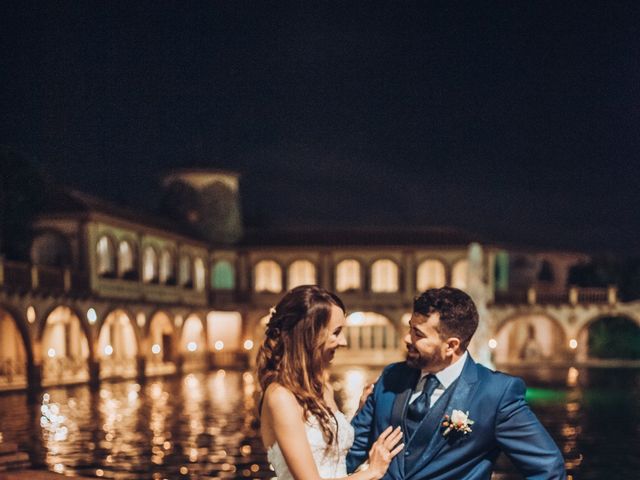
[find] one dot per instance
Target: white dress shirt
(446, 377)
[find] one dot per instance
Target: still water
(204, 425)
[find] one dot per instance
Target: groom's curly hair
(458, 313)
(292, 354)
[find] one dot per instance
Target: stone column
(326, 271)
(409, 271)
(477, 289)
(34, 383)
(94, 375)
(141, 369)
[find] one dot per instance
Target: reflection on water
(204, 425)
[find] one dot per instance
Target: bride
(307, 437)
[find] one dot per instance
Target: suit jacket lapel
(398, 412)
(460, 398)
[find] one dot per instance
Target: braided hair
(292, 355)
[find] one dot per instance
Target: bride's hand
(383, 450)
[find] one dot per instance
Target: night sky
(517, 119)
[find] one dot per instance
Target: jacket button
(407, 453)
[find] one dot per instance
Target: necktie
(420, 406)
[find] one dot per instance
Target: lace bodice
(331, 463)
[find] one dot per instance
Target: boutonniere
(459, 422)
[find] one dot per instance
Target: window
(430, 275)
(199, 274)
(268, 277)
(126, 260)
(301, 272)
(459, 275)
(184, 271)
(149, 265)
(167, 271)
(384, 276)
(348, 276)
(223, 276)
(545, 274)
(106, 261)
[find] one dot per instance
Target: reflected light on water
(572, 377)
(205, 425)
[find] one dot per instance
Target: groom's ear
(453, 344)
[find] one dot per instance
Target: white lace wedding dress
(331, 463)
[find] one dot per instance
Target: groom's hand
(365, 394)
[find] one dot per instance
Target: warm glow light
(192, 346)
(51, 352)
(572, 377)
(141, 319)
(573, 343)
(178, 321)
(248, 344)
(356, 318)
(156, 348)
(219, 345)
(493, 343)
(108, 350)
(31, 314)
(92, 316)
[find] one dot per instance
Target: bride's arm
(288, 426)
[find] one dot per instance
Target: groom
(456, 415)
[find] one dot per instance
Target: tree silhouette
(22, 196)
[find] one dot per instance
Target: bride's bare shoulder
(278, 397)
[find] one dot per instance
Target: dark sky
(518, 120)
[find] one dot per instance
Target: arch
(301, 272)
(161, 349)
(349, 275)
(267, 276)
(167, 270)
(222, 275)
(614, 336)
(529, 338)
(16, 355)
(118, 345)
(65, 347)
(385, 276)
(185, 273)
(460, 274)
(51, 248)
(84, 325)
(199, 274)
(225, 330)
(193, 342)
(149, 264)
(127, 260)
(105, 256)
(431, 273)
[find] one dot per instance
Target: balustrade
(60, 370)
(12, 372)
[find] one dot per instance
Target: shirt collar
(450, 374)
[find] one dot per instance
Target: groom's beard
(416, 359)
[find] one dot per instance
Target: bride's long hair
(292, 353)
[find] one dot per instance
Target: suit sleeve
(364, 430)
(523, 438)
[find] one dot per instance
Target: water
(204, 425)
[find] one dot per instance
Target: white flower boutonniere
(459, 422)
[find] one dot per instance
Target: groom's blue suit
(495, 402)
